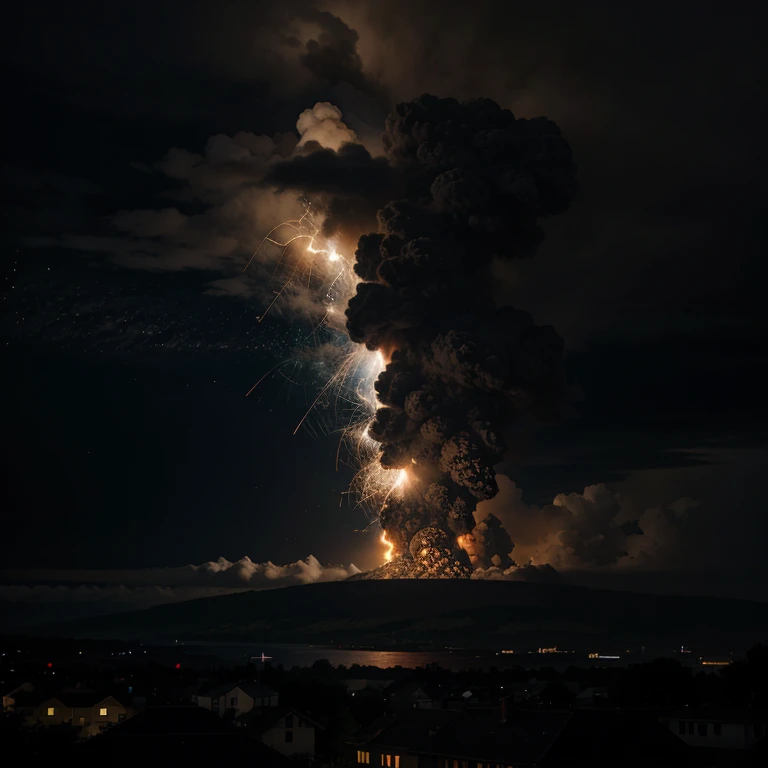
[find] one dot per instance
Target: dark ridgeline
(464, 374)
(469, 613)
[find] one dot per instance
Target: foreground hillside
(471, 613)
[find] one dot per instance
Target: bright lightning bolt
(304, 255)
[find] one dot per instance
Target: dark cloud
(348, 172)
(334, 58)
(593, 529)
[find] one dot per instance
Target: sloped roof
(257, 690)
(408, 690)
(252, 688)
(412, 730)
(213, 691)
(25, 699)
(717, 714)
(261, 719)
(624, 736)
(535, 737)
(191, 734)
(84, 698)
(480, 735)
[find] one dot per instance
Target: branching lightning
(312, 274)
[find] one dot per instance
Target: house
(284, 729)
(525, 690)
(235, 699)
(9, 698)
(608, 738)
(358, 684)
(493, 738)
(534, 689)
(415, 695)
(80, 709)
(592, 696)
(395, 741)
(176, 735)
(731, 729)
(50, 711)
(94, 710)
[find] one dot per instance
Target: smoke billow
(477, 181)
(593, 529)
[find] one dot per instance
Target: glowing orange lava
(389, 554)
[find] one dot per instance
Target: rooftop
(181, 733)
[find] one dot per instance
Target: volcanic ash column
(463, 372)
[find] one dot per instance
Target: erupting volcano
(465, 378)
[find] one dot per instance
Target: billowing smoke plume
(596, 528)
(323, 124)
(477, 182)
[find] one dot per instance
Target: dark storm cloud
(349, 172)
(352, 185)
(658, 101)
(334, 57)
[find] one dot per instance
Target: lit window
(51, 711)
(397, 761)
(364, 758)
(102, 712)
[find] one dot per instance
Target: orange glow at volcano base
(390, 547)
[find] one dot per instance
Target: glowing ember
(389, 545)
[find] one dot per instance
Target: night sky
(128, 440)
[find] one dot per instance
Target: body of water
(290, 655)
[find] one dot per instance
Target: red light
(178, 666)
(50, 663)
